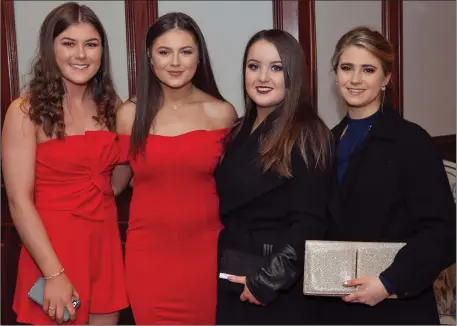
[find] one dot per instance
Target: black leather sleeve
(308, 196)
(280, 273)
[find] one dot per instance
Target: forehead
(358, 55)
(263, 51)
(80, 31)
(175, 38)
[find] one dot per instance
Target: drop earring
(383, 88)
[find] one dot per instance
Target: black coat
(259, 209)
(395, 189)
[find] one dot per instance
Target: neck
(364, 112)
(75, 93)
(177, 96)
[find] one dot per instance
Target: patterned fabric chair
(445, 285)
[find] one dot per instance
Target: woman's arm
(308, 195)
(122, 174)
(18, 155)
(432, 211)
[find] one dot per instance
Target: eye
(253, 66)
(276, 68)
(369, 70)
(92, 45)
(187, 52)
(164, 52)
(345, 68)
(68, 43)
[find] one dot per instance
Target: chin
(79, 81)
(262, 102)
(176, 84)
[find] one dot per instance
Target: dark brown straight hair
(46, 89)
(149, 90)
(298, 124)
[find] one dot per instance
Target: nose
(356, 77)
(264, 76)
(175, 60)
(81, 52)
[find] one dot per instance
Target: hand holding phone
(37, 292)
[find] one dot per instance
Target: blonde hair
(368, 39)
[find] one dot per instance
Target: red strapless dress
(74, 198)
(171, 248)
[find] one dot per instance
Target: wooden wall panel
(446, 146)
(139, 15)
(9, 91)
(298, 18)
(392, 29)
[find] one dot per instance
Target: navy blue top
(356, 131)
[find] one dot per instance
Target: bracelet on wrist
(56, 274)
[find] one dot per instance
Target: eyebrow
(168, 48)
(73, 40)
(257, 61)
(364, 65)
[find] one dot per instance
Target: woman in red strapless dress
(171, 247)
(58, 176)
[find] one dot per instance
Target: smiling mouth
(79, 67)
(263, 89)
(175, 73)
(355, 91)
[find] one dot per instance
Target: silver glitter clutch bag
(328, 264)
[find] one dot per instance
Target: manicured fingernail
(346, 283)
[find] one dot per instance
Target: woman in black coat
(273, 186)
(390, 186)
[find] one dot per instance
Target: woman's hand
(246, 295)
(58, 294)
(371, 291)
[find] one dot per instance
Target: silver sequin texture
(328, 264)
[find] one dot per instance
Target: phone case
(36, 294)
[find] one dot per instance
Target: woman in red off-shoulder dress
(57, 163)
(175, 130)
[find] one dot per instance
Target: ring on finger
(51, 308)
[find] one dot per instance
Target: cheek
(249, 78)
(375, 82)
(96, 55)
(341, 79)
(190, 63)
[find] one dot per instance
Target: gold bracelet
(54, 275)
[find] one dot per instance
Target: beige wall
(429, 55)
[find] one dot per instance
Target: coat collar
(239, 177)
(384, 129)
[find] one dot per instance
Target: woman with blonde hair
(390, 186)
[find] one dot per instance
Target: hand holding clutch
(370, 291)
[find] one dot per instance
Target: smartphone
(36, 294)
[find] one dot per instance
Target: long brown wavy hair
(149, 89)
(46, 90)
(298, 125)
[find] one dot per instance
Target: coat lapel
(381, 129)
(239, 177)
